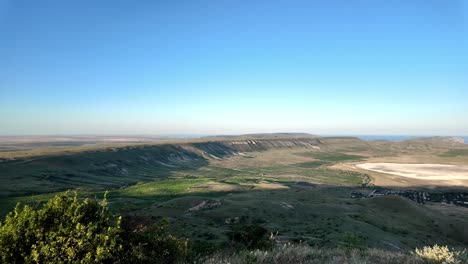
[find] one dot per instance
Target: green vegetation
(455, 153)
(99, 170)
(63, 230)
(297, 193)
(152, 244)
(68, 230)
(244, 235)
(161, 188)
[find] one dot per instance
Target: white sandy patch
(432, 172)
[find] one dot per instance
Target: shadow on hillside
(316, 214)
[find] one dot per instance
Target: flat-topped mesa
(219, 148)
(262, 136)
(259, 142)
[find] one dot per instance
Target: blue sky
(228, 67)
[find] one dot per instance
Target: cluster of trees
(69, 230)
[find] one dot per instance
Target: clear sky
(228, 67)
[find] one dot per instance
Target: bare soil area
(433, 174)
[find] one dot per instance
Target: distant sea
(397, 138)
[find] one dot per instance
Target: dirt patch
(205, 204)
(269, 185)
(436, 173)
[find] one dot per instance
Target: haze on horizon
(233, 67)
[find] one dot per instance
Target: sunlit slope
(116, 167)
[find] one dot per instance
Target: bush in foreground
(441, 255)
(64, 229)
(69, 230)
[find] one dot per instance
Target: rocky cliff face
(233, 147)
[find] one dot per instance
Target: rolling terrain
(304, 187)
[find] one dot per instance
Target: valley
(300, 187)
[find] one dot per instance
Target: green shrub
(69, 230)
(250, 236)
(351, 241)
(153, 244)
(63, 230)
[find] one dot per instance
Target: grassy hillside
(110, 168)
(97, 170)
(300, 188)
